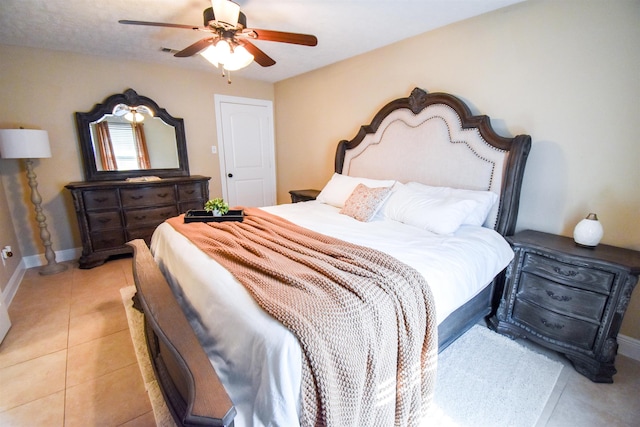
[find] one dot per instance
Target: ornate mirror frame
(130, 98)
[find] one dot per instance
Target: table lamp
(31, 144)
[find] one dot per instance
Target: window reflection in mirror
(121, 145)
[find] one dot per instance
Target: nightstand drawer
(560, 298)
(549, 324)
(573, 275)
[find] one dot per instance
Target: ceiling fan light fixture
(226, 12)
(134, 116)
(220, 54)
(240, 58)
(210, 55)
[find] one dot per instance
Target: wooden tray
(194, 215)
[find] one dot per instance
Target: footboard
(193, 392)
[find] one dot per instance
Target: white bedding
(259, 360)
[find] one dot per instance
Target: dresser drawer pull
(100, 199)
(137, 197)
(568, 273)
(140, 217)
(104, 220)
(107, 241)
(190, 191)
(163, 195)
(558, 297)
(548, 324)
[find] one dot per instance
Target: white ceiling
(344, 28)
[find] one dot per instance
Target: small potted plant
(217, 206)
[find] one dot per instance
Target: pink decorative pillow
(364, 202)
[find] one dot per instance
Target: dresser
(568, 298)
(111, 213)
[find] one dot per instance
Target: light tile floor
(68, 361)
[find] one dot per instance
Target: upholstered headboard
(433, 139)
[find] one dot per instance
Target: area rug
(484, 379)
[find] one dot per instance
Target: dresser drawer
(194, 204)
(107, 239)
(560, 298)
(147, 216)
(104, 220)
(190, 192)
(572, 275)
(556, 326)
(147, 196)
(100, 199)
(144, 233)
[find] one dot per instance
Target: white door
(247, 155)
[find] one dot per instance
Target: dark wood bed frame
(193, 392)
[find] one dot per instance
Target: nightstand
(568, 298)
(303, 195)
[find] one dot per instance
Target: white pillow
(438, 215)
(340, 187)
(485, 199)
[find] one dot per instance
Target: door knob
(230, 175)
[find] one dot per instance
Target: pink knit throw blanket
(365, 321)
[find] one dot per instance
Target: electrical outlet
(6, 252)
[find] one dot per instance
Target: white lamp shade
(24, 144)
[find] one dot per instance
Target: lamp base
(50, 269)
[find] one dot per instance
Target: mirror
(129, 136)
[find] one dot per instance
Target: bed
(451, 189)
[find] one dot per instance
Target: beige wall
(565, 72)
(42, 89)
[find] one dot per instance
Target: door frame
(218, 100)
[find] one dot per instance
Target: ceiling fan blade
(259, 56)
(195, 48)
(280, 36)
(159, 24)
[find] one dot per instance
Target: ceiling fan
(229, 43)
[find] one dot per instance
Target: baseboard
(14, 283)
(34, 261)
(629, 347)
(61, 256)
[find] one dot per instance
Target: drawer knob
(552, 295)
(163, 195)
(100, 199)
(549, 324)
(104, 220)
(568, 273)
(190, 191)
(140, 217)
(137, 197)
